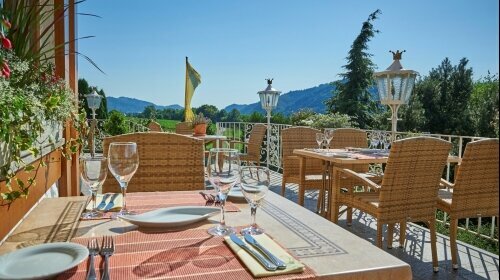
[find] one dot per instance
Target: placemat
(141, 202)
(190, 254)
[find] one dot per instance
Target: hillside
(132, 105)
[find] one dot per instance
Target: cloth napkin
(257, 270)
(118, 200)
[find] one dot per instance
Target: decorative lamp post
(395, 85)
(94, 102)
(269, 100)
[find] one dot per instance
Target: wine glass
(375, 140)
(328, 136)
(123, 163)
(93, 171)
(223, 172)
(255, 182)
(320, 137)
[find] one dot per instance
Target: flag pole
(185, 91)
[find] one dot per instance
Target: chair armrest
(358, 177)
(446, 184)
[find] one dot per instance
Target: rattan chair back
(410, 184)
(299, 138)
(255, 140)
(167, 162)
(185, 128)
(475, 192)
(154, 126)
(349, 137)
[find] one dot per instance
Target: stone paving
(475, 263)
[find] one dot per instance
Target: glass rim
(93, 158)
(123, 143)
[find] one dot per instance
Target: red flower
(6, 43)
(6, 69)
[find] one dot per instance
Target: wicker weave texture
(299, 138)
(167, 162)
(154, 127)
(409, 186)
(254, 144)
(185, 128)
(475, 192)
(349, 137)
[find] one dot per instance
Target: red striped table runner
(190, 254)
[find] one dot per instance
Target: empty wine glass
(374, 140)
(320, 137)
(328, 136)
(93, 171)
(255, 182)
(223, 172)
(123, 161)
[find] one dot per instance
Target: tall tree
(484, 106)
(351, 95)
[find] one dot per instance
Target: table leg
(332, 193)
(321, 197)
(302, 180)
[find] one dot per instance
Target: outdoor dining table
(327, 250)
(211, 138)
(340, 158)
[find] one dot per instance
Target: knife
(263, 261)
(103, 201)
(111, 203)
(275, 260)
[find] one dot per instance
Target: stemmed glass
(320, 137)
(93, 171)
(375, 140)
(255, 182)
(328, 136)
(123, 163)
(223, 172)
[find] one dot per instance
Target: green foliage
(150, 112)
(256, 117)
(209, 111)
(332, 120)
(200, 119)
(351, 95)
(115, 124)
(484, 106)
(233, 116)
(301, 115)
(83, 90)
(280, 118)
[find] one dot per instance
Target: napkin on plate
(117, 200)
(257, 270)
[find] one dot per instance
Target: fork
(107, 250)
(93, 247)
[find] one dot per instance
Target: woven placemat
(141, 202)
(190, 254)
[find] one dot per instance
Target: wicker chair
(154, 126)
(184, 128)
(300, 138)
(408, 191)
(475, 191)
(254, 144)
(167, 162)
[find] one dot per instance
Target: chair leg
(321, 199)
(453, 243)
(432, 227)
(283, 186)
(302, 193)
(380, 227)
(349, 216)
(390, 235)
(402, 234)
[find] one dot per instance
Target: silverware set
(262, 255)
(106, 250)
(211, 199)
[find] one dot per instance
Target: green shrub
(115, 124)
(297, 117)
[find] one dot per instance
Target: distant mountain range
(313, 98)
(133, 105)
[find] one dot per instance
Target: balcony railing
(241, 131)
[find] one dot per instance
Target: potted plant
(200, 124)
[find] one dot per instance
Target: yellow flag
(193, 79)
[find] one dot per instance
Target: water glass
(123, 161)
(223, 172)
(93, 171)
(320, 137)
(255, 182)
(328, 136)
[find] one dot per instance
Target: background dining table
(328, 250)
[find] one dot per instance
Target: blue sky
(235, 45)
